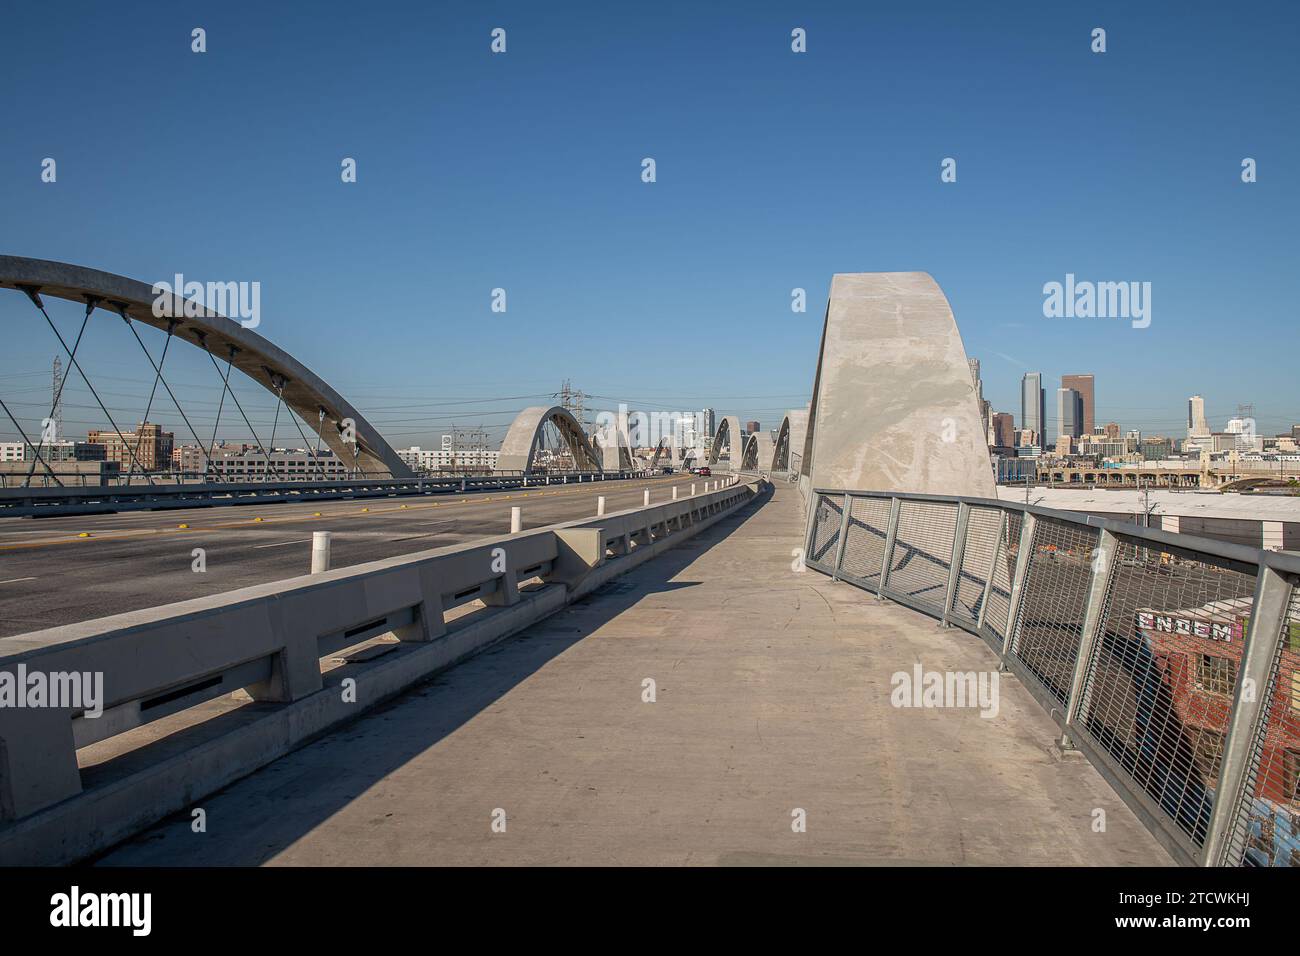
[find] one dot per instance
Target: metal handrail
(1209, 822)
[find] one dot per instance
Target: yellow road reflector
(315, 514)
(182, 526)
(364, 510)
(257, 519)
(84, 534)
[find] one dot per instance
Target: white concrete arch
(266, 364)
(893, 405)
(787, 452)
(732, 438)
(519, 448)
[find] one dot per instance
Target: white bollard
(320, 551)
(692, 489)
(516, 519)
(674, 492)
(600, 506)
(647, 497)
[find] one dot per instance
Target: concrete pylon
(787, 453)
(730, 437)
(894, 407)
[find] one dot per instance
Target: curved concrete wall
(304, 392)
(894, 406)
(788, 453)
(520, 444)
(729, 429)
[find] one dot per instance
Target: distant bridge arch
(730, 436)
(665, 445)
(305, 393)
(787, 453)
(519, 449)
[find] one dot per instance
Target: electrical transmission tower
(573, 401)
(56, 399)
(468, 445)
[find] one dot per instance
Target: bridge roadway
(138, 559)
(773, 693)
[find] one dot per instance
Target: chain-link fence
(1171, 661)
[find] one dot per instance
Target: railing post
(954, 564)
(1249, 712)
(1027, 528)
(844, 534)
(895, 506)
(1103, 572)
(993, 563)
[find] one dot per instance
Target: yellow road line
(112, 534)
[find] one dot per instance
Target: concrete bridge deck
(773, 694)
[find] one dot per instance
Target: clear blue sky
(775, 170)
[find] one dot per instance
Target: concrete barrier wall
(265, 645)
(56, 501)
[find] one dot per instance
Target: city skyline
(456, 215)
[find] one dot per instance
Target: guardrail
(1172, 662)
(274, 647)
(100, 499)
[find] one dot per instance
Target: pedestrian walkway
(771, 739)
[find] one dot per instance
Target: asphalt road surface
(50, 575)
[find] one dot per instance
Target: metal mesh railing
(864, 545)
(997, 616)
(825, 537)
(1267, 825)
(1140, 644)
(977, 560)
(1158, 693)
(918, 568)
(1049, 625)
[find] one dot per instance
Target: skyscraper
(1084, 385)
(1197, 426)
(708, 422)
(1033, 406)
(1069, 413)
(1004, 430)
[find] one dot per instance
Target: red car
(706, 472)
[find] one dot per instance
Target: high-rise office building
(1069, 414)
(1197, 426)
(751, 427)
(1004, 432)
(1033, 405)
(1085, 386)
(708, 422)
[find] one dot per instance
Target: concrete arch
(266, 364)
(520, 445)
(787, 452)
(612, 446)
(758, 452)
(893, 404)
(665, 445)
(729, 433)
